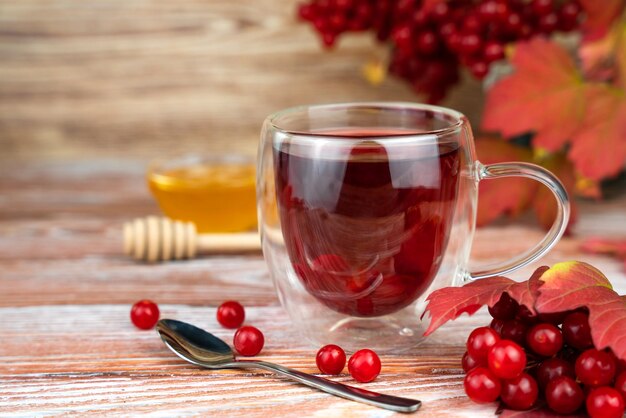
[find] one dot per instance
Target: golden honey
(217, 196)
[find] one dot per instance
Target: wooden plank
(92, 360)
(145, 78)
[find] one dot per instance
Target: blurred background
(139, 79)
(102, 87)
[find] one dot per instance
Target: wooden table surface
(68, 347)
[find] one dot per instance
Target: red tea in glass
(366, 208)
(366, 225)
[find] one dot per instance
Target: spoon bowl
(204, 349)
(194, 344)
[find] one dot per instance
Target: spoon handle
(380, 400)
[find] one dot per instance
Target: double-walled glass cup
(366, 208)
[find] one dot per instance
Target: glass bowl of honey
(216, 193)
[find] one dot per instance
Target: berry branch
(432, 40)
(545, 348)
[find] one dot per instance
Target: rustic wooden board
(142, 78)
(68, 347)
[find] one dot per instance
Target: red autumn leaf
(599, 15)
(599, 146)
(602, 58)
(449, 303)
(608, 246)
(545, 95)
(620, 55)
(575, 284)
(509, 196)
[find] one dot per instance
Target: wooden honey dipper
(163, 239)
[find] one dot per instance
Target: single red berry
(144, 314)
(615, 360)
(402, 36)
(231, 314)
(320, 23)
(481, 385)
(468, 362)
(544, 339)
(363, 12)
(620, 384)
(404, 6)
(328, 39)
(441, 12)
(621, 366)
(605, 402)
(595, 367)
(420, 18)
(542, 7)
(248, 341)
(496, 325)
(564, 395)
(338, 22)
(330, 359)
(525, 315)
(514, 330)
(552, 368)
(446, 30)
(495, 51)
(306, 11)
(503, 11)
(554, 318)
(487, 11)
(570, 10)
(470, 44)
(568, 16)
(548, 23)
(454, 41)
(519, 393)
(506, 307)
(576, 330)
(479, 69)
(426, 42)
(506, 359)
(480, 342)
(513, 23)
(364, 365)
(472, 25)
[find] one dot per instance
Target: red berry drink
(366, 222)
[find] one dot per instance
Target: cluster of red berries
(248, 340)
(522, 358)
(364, 365)
(429, 46)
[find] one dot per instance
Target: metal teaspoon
(201, 348)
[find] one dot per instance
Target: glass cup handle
(540, 174)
